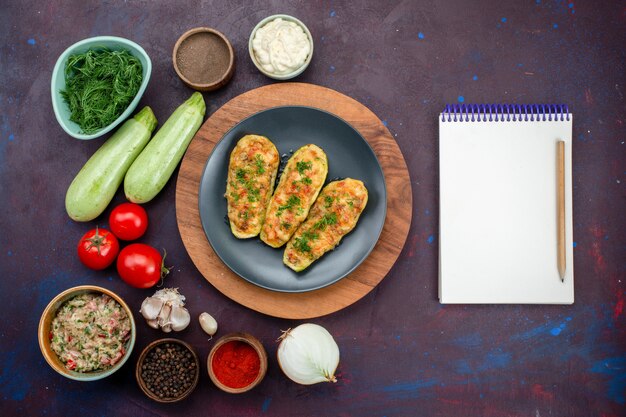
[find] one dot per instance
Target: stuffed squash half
(334, 215)
(251, 176)
(299, 186)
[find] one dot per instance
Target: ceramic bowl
(292, 74)
(142, 357)
(61, 109)
(238, 337)
(216, 47)
(44, 333)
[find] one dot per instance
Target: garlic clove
(151, 307)
(167, 328)
(208, 323)
(153, 323)
(179, 318)
(164, 315)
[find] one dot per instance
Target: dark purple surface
(402, 353)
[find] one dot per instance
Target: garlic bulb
(165, 310)
(208, 324)
(308, 354)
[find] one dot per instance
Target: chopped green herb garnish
(258, 160)
(328, 220)
(293, 201)
(301, 243)
(307, 180)
(303, 166)
(241, 175)
(328, 201)
(99, 86)
(285, 225)
(254, 194)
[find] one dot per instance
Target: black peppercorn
(168, 371)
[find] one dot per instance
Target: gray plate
(349, 155)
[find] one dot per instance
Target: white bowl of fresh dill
(97, 84)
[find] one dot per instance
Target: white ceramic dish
(294, 73)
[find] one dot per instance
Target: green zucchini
(93, 188)
(154, 166)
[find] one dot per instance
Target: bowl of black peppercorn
(168, 370)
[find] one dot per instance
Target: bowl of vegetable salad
(97, 83)
(86, 333)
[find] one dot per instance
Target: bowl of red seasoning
(237, 363)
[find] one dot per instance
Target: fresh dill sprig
(99, 86)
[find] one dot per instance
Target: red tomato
(141, 265)
(128, 221)
(98, 248)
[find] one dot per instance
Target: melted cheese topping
(251, 175)
(297, 189)
(334, 215)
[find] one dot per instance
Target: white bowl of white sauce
(281, 46)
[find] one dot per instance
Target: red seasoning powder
(236, 364)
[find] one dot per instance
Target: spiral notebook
(498, 204)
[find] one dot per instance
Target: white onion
(308, 354)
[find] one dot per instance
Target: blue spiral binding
(505, 112)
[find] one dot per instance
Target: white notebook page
(498, 212)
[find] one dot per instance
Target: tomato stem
(96, 241)
(164, 270)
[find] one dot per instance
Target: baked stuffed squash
(334, 214)
(251, 176)
(299, 186)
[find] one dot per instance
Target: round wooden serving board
(347, 290)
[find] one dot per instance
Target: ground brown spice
(203, 58)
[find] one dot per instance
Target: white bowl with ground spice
(204, 59)
(281, 46)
